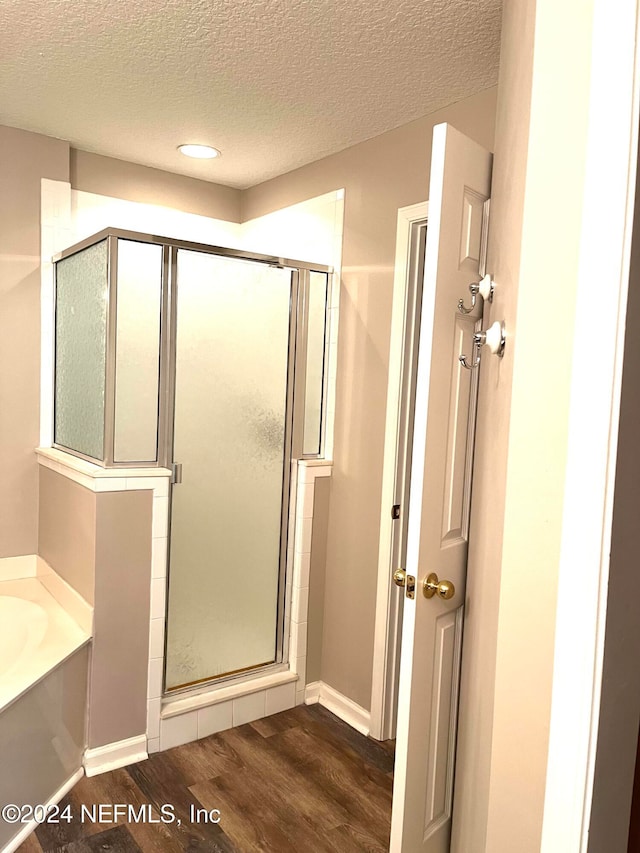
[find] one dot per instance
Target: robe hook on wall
(482, 288)
(494, 338)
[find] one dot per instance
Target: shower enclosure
(210, 362)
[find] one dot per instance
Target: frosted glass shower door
(232, 343)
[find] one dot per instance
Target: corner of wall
(25, 159)
(108, 176)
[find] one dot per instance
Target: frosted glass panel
(137, 351)
(315, 363)
(231, 378)
(81, 321)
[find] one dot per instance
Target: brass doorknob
(399, 577)
(431, 585)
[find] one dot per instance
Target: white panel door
(439, 499)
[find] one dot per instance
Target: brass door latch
(401, 578)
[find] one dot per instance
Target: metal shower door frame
(293, 441)
(295, 390)
(167, 334)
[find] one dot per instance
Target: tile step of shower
(173, 707)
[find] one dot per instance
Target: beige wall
(379, 176)
(118, 685)
(517, 510)
(100, 543)
(67, 530)
(119, 179)
(25, 158)
(486, 535)
(317, 576)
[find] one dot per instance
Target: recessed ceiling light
(200, 152)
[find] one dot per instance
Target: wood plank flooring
(298, 781)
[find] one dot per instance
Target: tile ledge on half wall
(315, 463)
(95, 477)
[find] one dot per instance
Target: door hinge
(395, 512)
(176, 476)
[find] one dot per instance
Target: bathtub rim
(64, 636)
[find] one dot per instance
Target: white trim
(317, 468)
(114, 755)
(595, 400)
(16, 568)
(386, 639)
(312, 693)
(348, 711)
(55, 235)
(28, 828)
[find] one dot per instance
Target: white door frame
(387, 621)
(605, 250)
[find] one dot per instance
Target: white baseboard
(312, 693)
(338, 704)
(114, 755)
(28, 828)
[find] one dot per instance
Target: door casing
(388, 618)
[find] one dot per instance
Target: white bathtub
(43, 689)
(36, 635)
(23, 627)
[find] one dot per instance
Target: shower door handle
(176, 477)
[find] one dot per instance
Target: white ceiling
(273, 84)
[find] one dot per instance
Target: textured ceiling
(273, 84)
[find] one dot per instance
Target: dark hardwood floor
(298, 782)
